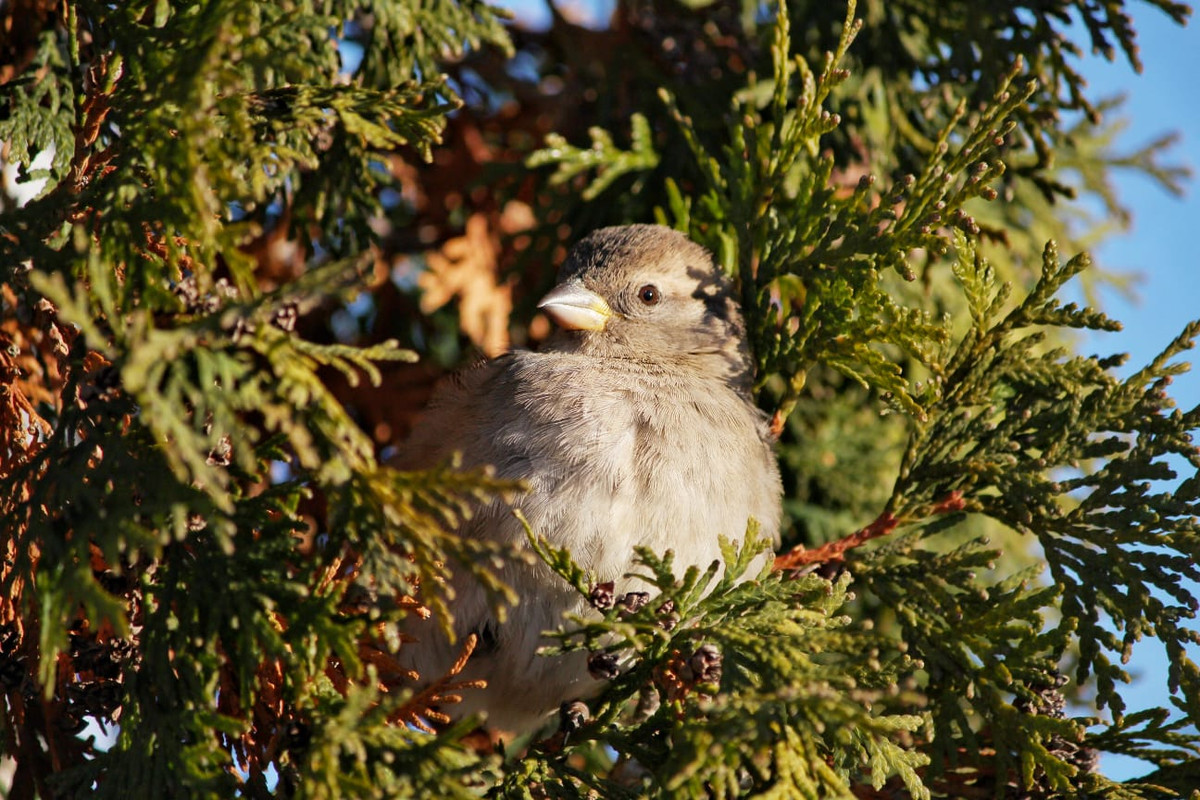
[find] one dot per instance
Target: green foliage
(609, 161)
(796, 684)
(355, 752)
(206, 547)
(163, 517)
(961, 50)
(1017, 416)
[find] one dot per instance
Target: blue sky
(1162, 247)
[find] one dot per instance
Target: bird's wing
(456, 420)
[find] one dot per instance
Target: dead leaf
(466, 268)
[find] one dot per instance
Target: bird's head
(650, 294)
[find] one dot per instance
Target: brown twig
(883, 525)
(800, 555)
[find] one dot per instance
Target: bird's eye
(649, 294)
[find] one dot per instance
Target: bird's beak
(576, 307)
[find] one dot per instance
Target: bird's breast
(618, 458)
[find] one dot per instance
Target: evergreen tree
(266, 228)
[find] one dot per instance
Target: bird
(633, 424)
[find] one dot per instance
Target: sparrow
(632, 425)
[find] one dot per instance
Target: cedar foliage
(257, 216)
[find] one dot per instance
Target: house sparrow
(634, 425)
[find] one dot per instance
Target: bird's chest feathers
(651, 447)
(654, 463)
(633, 442)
